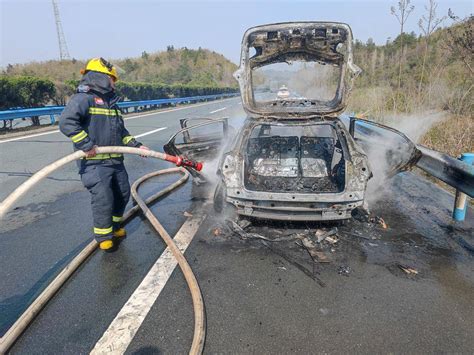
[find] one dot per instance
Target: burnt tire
(220, 198)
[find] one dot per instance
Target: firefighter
(91, 119)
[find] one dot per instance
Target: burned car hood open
(296, 70)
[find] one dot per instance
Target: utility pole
(63, 51)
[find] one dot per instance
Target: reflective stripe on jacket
(92, 117)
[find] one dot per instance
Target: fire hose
(198, 304)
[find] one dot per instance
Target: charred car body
(293, 159)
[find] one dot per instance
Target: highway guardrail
(53, 111)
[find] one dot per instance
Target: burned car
(293, 158)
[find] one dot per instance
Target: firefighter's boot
(120, 233)
(108, 246)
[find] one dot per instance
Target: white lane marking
(150, 132)
(123, 328)
(221, 109)
(174, 109)
(44, 133)
(30, 136)
(126, 119)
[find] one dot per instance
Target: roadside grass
(453, 136)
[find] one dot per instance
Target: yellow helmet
(102, 66)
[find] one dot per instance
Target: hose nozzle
(182, 161)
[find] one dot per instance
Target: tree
(460, 39)
(428, 24)
(370, 43)
(404, 10)
(129, 65)
(62, 92)
(25, 91)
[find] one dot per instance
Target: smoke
(210, 168)
(390, 152)
(236, 121)
(385, 154)
(415, 126)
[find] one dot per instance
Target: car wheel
(220, 203)
(219, 197)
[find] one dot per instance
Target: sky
(120, 29)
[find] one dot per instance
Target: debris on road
(350, 234)
(244, 223)
(311, 274)
(317, 255)
(322, 234)
(313, 243)
(363, 215)
(408, 270)
(378, 220)
(237, 229)
(187, 214)
(344, 270)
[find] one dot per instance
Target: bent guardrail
(56, 110)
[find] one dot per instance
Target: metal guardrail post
(461, 200)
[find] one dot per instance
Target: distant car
(293, 159)
(283, 93)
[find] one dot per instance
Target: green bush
(25, 91)
(149, 91)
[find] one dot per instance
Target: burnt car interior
(302, 158)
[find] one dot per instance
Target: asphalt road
(260, 297)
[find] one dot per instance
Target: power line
(63, 51)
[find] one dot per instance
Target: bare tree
(460, 39)
(373, 63)
(428, 24)
(404, 10)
